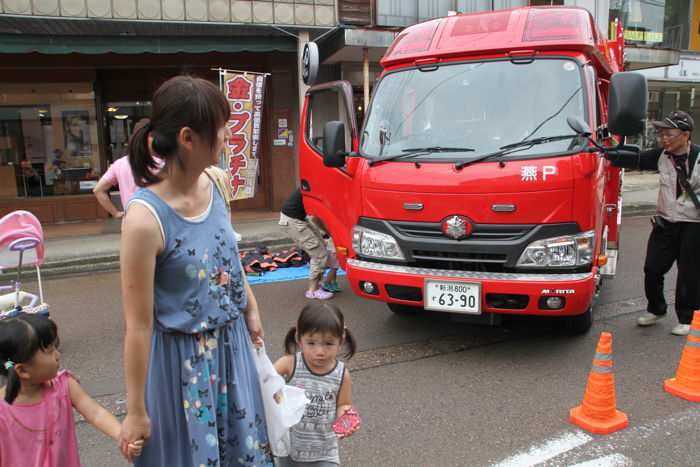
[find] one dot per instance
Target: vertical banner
(244, 92)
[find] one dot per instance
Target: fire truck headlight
(565, 251)
(370, 243)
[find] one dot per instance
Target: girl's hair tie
(9, 364)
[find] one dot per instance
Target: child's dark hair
(321, 317)
(182, 101)
(20, 339)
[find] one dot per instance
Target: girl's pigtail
(350, 344)
(290, 341)
(143, 166)
(13, 385)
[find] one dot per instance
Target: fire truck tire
(404, 310)
(579, 324)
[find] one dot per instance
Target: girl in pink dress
(37, 428)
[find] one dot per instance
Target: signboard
(639, 35)
(244, 92)
(695, 28)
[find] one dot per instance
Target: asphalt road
(436, 391)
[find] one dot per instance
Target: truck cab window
(326, 106)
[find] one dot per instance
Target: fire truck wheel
(404, 310)
(579, 324)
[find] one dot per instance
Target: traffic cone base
(598, 411)
(672, 386)
(686, 383)
(596, 426)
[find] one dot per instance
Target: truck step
(611, 266)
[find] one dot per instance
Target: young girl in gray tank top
(311, 363)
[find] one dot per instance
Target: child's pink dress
(41, 434)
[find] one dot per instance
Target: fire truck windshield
(482, 106)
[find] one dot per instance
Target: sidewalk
(94, 246)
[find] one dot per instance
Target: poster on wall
(245, 93)
(76, 137)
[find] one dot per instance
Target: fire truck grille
(496, 232)
(486, 262)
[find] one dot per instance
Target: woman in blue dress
(190, 314)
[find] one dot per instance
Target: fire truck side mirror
(334, 144)
(627, 103)
(579, 126)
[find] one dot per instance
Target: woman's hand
(252, 319)
(134, 429)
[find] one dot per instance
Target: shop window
(48, 139)
(661, 23)
(121, 118)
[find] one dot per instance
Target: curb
(639, 210)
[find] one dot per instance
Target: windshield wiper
(409, 152)
(439, 149)
(513, 147)
(535, 141)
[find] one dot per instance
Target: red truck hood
(540, 191)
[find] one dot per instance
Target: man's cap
(676, 120)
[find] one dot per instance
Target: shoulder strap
(693, 156)
(685, 184)
(220, 179)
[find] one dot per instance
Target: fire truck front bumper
(470, 292)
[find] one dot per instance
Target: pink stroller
(21, 233)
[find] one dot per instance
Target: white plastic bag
(284, 405)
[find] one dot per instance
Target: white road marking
(612, 460)
(547, 450)
(564, 446)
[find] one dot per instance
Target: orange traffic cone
(598, 413)
(686, 384)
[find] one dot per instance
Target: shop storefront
(65, 118)
(671, 88)
(664, 27)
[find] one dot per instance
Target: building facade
(76, 75)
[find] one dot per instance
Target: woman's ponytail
(143, 165)
(290, 341)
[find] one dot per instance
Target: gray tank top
(313, 439)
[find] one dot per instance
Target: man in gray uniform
(675, 236)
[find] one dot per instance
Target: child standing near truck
(311, 362)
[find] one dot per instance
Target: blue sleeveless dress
(202, 392)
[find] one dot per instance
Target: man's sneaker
(681, 330)
(333, 287)
(319, 294)
(647, 319)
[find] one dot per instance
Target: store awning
(347, 45)
(640, 58)
(23, 43)
(97, 36)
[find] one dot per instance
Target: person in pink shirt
(119, 173)
(37, 428)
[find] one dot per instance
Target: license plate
(456, 297)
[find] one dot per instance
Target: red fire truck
(478, 183)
